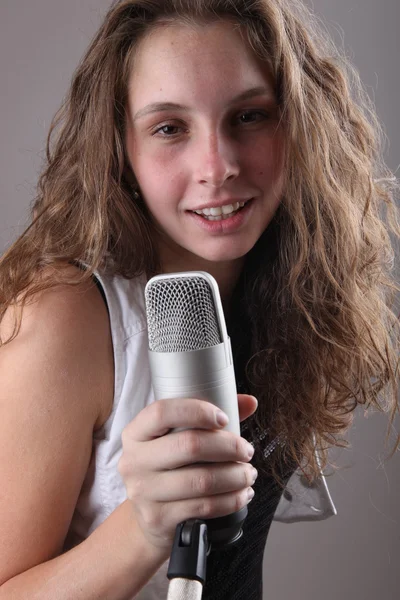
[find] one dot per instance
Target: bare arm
(114, 563)
(56, 388)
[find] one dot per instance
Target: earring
(136, 195)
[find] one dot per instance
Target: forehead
(194, 60)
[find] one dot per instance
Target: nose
(217, 162)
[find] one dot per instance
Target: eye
(252, 116)
(167, 130)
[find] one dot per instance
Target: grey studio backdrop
(355, 555)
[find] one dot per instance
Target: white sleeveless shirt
(103, 489)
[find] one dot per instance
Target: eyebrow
(165, 106)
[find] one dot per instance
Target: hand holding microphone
(200, 472)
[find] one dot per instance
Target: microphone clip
(189, 551)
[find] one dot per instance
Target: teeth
(214, 214)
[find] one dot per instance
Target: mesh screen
(181, 315)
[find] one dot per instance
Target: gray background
(356, 554)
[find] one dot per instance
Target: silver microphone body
(206, 372)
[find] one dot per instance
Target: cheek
(158, 185)
(153, 169)
(267, 163)
(161, 186)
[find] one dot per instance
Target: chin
(221, 256)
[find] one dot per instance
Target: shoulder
(66, 328)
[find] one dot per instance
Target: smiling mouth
(221, 213)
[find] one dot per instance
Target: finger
(200, 481)
(159, 417)
(191, 446)
(209, 507)
(247, 406)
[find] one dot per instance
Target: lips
(229, 225)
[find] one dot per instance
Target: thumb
(247, 406)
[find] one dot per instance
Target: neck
(225, 273)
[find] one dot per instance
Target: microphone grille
(181, 314)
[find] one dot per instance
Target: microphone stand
(194, 540)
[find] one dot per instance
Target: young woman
(213, 135)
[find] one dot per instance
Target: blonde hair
(318, 286)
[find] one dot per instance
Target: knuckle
(203, 483)
(206, 508)
(240, 500)
(248, 477)
(151, 518)
(237, 446)
(158, 409)
(194, 412)
(190, 443)
(135, 488)
(122, 466)
(124, 437)
(201, 411)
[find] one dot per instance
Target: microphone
(191, 357)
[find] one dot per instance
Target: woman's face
(203, 133)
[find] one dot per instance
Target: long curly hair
(318, 289)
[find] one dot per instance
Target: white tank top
(103, 489)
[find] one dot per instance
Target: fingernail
(221, 418)
(255, 475)
(250, 450)
(250, 494)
